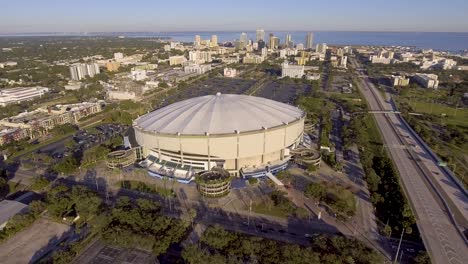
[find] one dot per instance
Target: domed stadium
(244, 135)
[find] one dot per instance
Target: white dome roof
(218, 114)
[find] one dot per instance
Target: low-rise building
(252, 59)
(176, 60)
(313, 76)
(73, 85)
(427, 80)
(230, 72)
(292, 71)
(37, 122)
(399, 80)
(379, 59)
(21, 94)
(197, 68)
(138, 75)
(112, 66)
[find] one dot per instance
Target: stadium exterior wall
(234, 151)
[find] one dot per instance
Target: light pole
(399, 245)
(250, 211)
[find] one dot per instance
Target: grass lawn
(460, 119)
(269, 210)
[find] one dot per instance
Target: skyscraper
(197, 41)
(273, 42)
(243, 40)
(260, 35)
(287, 40)
(214, 41)
(309, 40)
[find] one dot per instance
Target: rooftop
(219, 114)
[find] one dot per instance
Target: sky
(32, 16)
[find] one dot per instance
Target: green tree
(316, 191)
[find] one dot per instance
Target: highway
(440, 227)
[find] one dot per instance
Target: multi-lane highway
(440, 205)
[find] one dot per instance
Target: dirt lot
(30, 244)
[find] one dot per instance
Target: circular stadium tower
(239, 133)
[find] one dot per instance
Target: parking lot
(32, 243)
(283, 91)
(210, 87)
(100, 253)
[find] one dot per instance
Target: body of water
(444, 41)
(424, 40)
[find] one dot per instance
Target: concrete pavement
(440, 235)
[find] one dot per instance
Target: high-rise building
(197, 41)
(321, 48)
(80, 70)
(214, 41)
(287, 41)
(260, 35)
(261, 44)
(273, 42)
(309, 40)
(243, 40)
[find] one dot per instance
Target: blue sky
(19, 16)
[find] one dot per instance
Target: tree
(4, 188)
(67, 165)
(192, 254)
(316, 191)
(312, 168)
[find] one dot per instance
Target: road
(441, 236)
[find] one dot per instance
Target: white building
(118, 55)
(138, 75)
(176, 60)
(73, 85)
(343, 61)
(300, 46)
(379, 59)
(260, 34)
(427, 80)
(252, 59)
(264, 52)
(313, 76)
(8, 64)
(79, 71)
(292, 71)
(197, 68)
(230, 72)
(321, 48)
(447, 64)
(21, 94)
(200, 57)
(288, 52)
(214, 41)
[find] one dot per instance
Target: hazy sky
(21, 16)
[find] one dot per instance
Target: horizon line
(240, 30)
